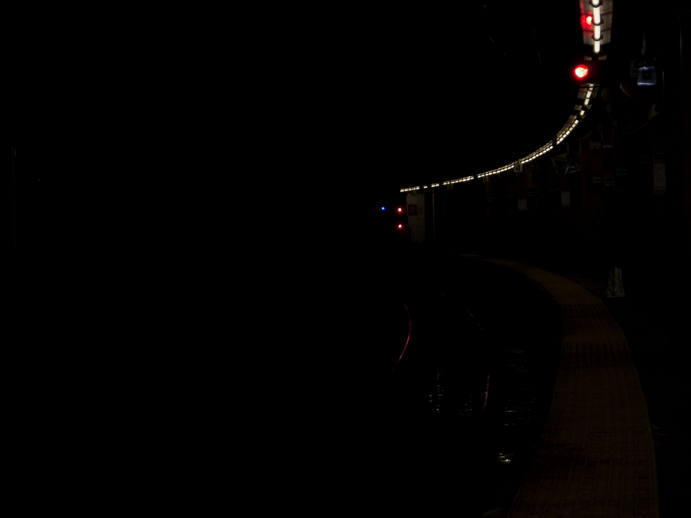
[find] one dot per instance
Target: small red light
(399, 210)
(587, 21)
(581, 72)
(400, 226)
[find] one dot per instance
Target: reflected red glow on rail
(485, 394)
(410, 332)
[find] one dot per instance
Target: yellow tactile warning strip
(597, 457)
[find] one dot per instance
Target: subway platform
(597, 454)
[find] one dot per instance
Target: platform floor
(597, 457)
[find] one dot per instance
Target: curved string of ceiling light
(596, 23)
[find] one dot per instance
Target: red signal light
(399, 210)
(587, 22)
(400, 226)
(580, 72)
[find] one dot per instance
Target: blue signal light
(382, 208)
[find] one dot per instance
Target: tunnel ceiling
(437, 92)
